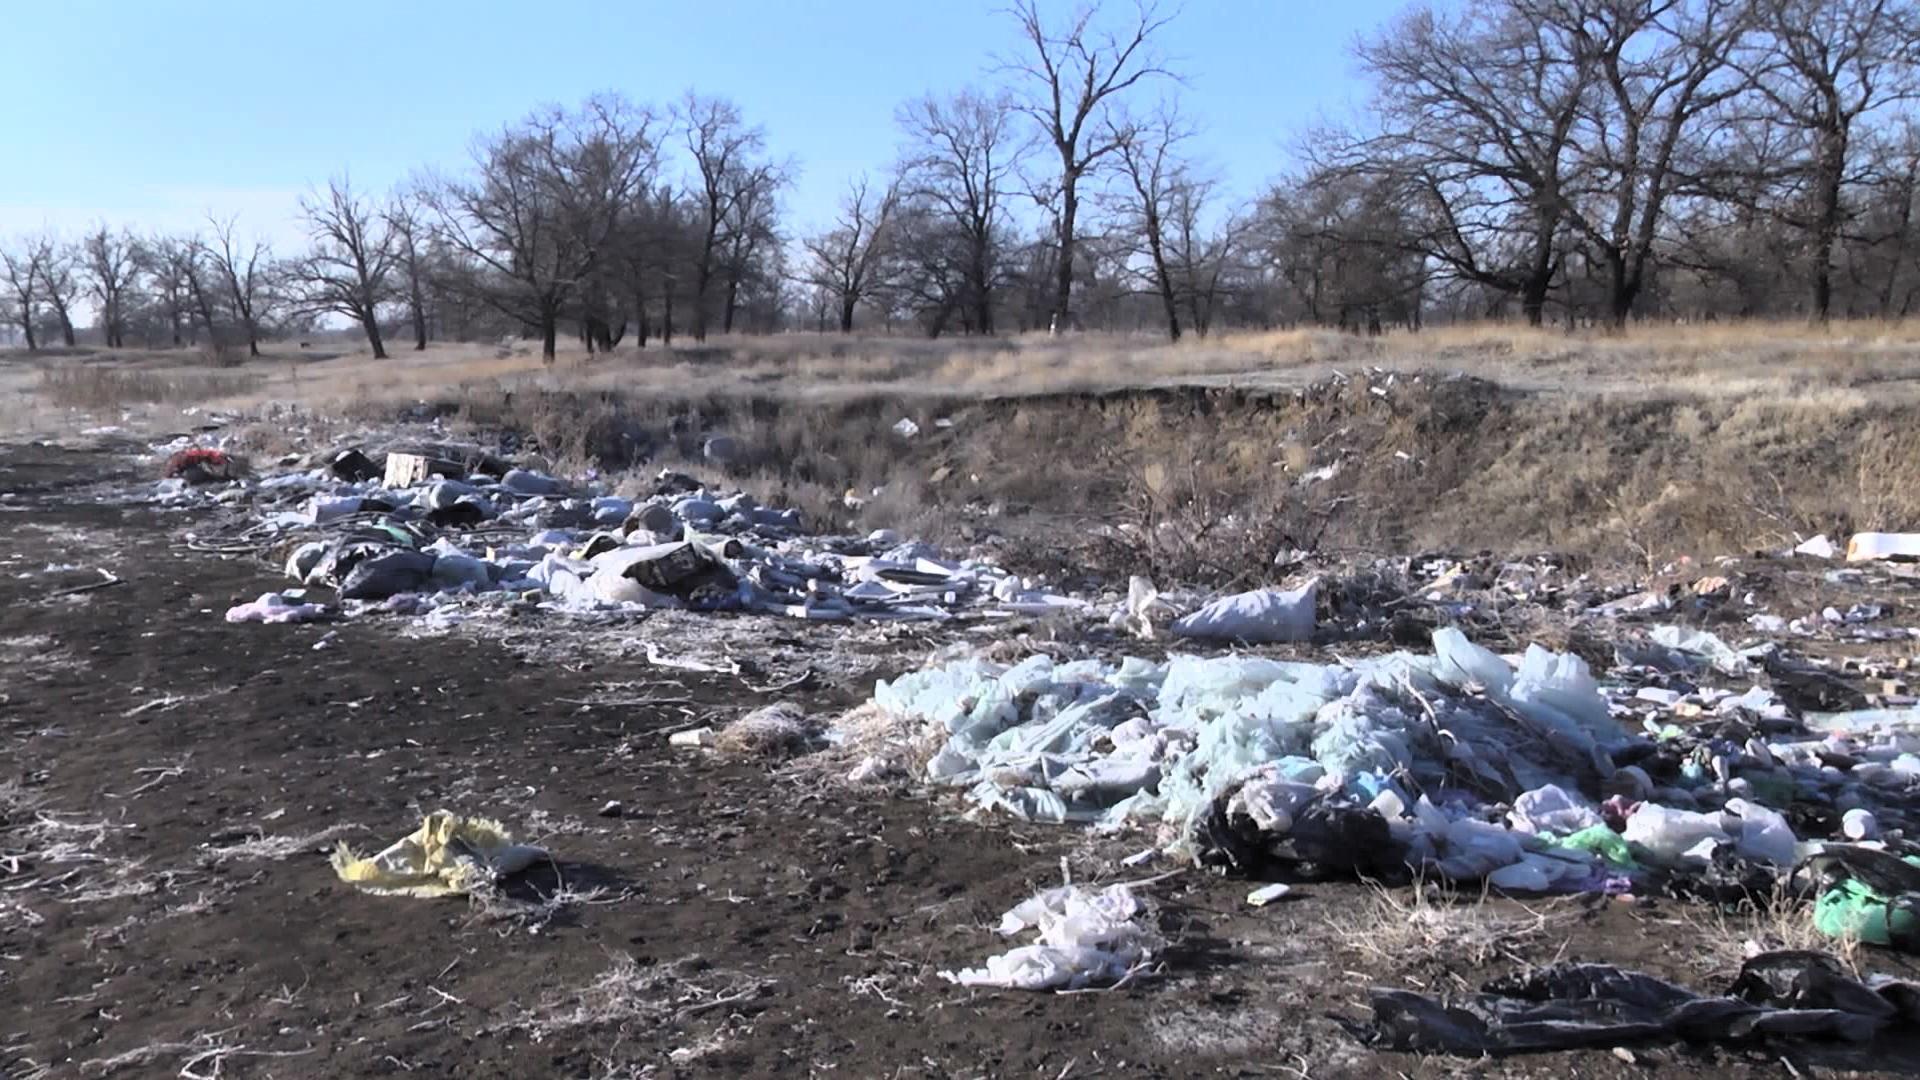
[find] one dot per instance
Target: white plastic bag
(1260, 616)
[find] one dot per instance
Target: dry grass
(1726, 939)
(901, 746)
(1389, 928)
(274, 848)
(1196, 463)
(628, 993)
(1722, 359)
(778, 730)
(99, 389)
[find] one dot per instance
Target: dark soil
(823, 912)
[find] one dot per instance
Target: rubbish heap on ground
(1455, 765)
(437, 532)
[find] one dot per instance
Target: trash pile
(430, 532)
(1455, 765)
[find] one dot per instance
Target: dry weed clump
(1728, 937)
(782, 729)
(1389, 930)
(871, 745)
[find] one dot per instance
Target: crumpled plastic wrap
(1144, 742)
(275, 608)
(1084, 938)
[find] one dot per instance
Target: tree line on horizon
(1592, 161)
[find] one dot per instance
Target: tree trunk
(846, 313)
(372, 327)
(702, 279)
(549, 337)
(1533, 301)
(1063, 281)
(733, 301)
(1833, 157)
(666, 317)
(1621, 290)
(26, 324)
(253, 339)
(66, 330)
(1901, 240)
(419, 324)
(1163, 277)
(982, 291)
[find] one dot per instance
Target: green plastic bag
(1604, 842)
(1854, 909)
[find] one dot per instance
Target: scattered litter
(1705, 646)
(1819, 547)
(1083, 938)
(276, 608)
(448, 855)
(1267, 894)
(1260, 616)
(1869, 547)
(1146, 613)
(200, 465)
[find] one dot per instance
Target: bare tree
(961, 162)
(1662, 67)
(349, 266)
(1070, 76)
(657, 234)
(164, 261)
(1895, 209)
(1342, 243)
(1148, 156)
(729, 170)
(1203, 248)
(1478, 115)
(243, 272)
(849, 261)
(752, 232)
(25, 288)
(1820, 67)
(409, 243)
(59, 284)
(544, 207)
(112, 268)
(203, 285)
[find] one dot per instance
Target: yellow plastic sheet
(446, 856)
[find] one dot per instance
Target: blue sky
(151, 112)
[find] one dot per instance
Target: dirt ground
(736, 919)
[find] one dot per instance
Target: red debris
(200, 465)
